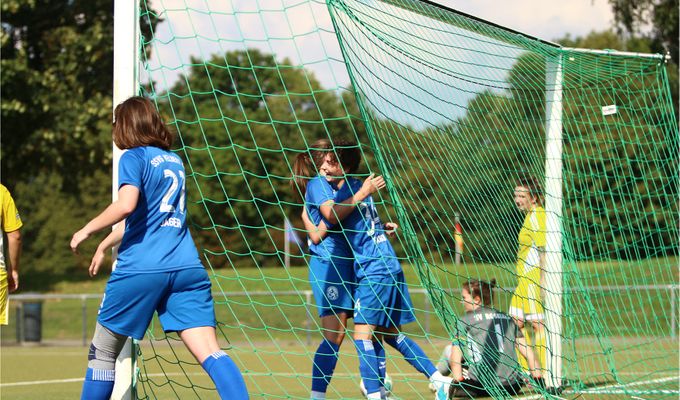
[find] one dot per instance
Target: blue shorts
(333, 284)
(182, 299)
(383, 301)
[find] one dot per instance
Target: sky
(547, 19)
(302, 30)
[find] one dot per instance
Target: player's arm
(456, 362)
(128, 195)
(316, 233)
(521, 346)
(113, 239)
(336, 212)
(14, 249)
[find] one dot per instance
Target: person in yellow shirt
(526, 303)
(10, 221)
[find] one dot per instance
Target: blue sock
(325, 360)
(226, 376)
(368, 366)
(98, 384)
(382, 363)
(412, 353)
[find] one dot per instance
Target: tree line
(56, 83)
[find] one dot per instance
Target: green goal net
(451, 110)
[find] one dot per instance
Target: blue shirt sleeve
(319, 192)
(130, 168)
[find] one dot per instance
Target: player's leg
(535, 316)
(202, 343)
(399, 309)
(188, 309)
(368, 311)
(101, 363)
(516, 311)
(332, 283)
(326, 356)
(369, 366)
(126, 310)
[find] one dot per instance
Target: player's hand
(372, 184)
(77, 239)
(391, 229)
(97, 261)
(13, 281)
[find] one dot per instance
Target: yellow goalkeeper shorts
(526, 303)
(4, 300)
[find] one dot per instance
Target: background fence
(55, 318)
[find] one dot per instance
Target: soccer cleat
(442, 393)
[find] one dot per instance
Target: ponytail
(303, 170)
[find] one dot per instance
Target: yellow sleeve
(539, 227)
(11, 220)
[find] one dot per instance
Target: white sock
(318, 395)
(439, 380)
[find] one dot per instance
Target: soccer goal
(452, 111)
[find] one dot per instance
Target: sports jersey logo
(332, 293)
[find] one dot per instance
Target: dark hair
(307, 164)
(137, 123)
(533, 186)
(348, 154)
(481, 289)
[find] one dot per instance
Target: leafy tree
(247, 118)
(656, 20)
(56, 85)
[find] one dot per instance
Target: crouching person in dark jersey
(485, 344)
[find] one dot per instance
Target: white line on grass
(72, 380)
(618, 390)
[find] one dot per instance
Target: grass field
(274, 338)
(56, 373)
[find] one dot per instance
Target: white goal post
(126, 48)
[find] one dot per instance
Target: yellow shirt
(531, 242)
(9, 218)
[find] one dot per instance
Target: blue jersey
(156, 237)
(319, 191)
(373, 253)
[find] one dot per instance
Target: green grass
(273, 337)
(280, 369)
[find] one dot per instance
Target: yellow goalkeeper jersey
(10, 220)
(531, 242)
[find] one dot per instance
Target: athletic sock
(226, 376)
(325, 360)
(440, 381)
(98, 384)
(318, 395)
(382, 366)
(412, 353)
(368, 367)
